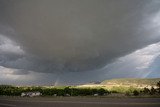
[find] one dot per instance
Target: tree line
(66, 91)
(9, 90)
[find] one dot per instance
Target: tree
(146, 91)
(67, 90)
(158, 85)
(135, 93)
(153, 91)
(101, 91)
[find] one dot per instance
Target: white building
(30, 94)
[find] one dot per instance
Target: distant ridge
(131, 81)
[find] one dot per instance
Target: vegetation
(9, 90)
(121, 89)
(135, 93)
(132, 81)
(66, 91)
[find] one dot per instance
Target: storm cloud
(65, 37)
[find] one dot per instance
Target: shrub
(152, 91)
(101, 91)
(158, 84)
(135, 93)
(146, 91)
(128, 93)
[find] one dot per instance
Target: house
(95, 95)
(55, 95)
(30, 94)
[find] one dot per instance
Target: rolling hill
(131, 81)
(125, 82)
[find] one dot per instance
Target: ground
(78, 102)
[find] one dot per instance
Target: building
(30, 94)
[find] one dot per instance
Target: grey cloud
(73, 35)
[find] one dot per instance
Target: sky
(62, 42)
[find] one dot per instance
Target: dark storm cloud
(77, 35)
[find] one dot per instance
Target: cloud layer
(76, 37)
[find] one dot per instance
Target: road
(78, 102)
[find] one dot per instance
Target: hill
(132, 82)
(125, 82)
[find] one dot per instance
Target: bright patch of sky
(8, 46)
(137, 64)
